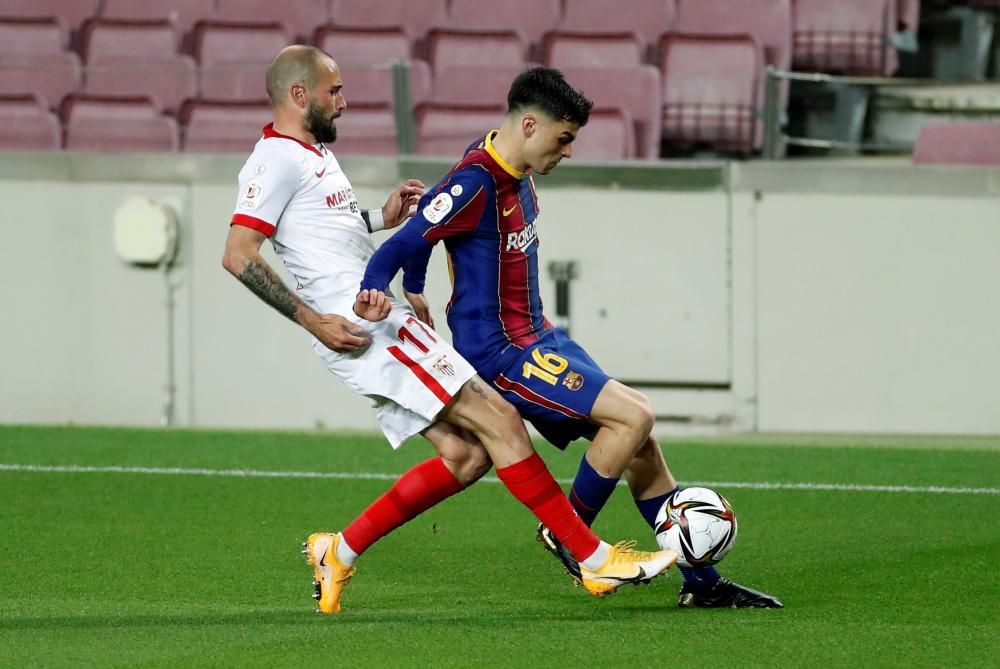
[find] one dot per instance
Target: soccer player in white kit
(293, 192)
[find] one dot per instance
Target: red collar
(270, 132)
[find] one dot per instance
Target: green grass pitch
(118, 568)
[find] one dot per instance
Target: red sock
(531, 483)
(416, 491)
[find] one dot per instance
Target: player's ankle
(597, 559)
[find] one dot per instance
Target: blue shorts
(554, 385)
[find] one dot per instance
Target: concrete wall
(781, 297)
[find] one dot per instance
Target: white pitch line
(375, 476)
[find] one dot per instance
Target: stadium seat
(302, 16)
(907, 15)
(366, 130)
(489, 86)
(448, 130)
(72, 12)
(137, 58)
(114, 124)
(647, 18)
(592, 50)
(769, 22)
(447, 48)
(223, 127)
(182, 13)
(26, 124)
(958, 143)
(531, 19)
(637, 90)
(415, 18)
(845, 37)
(710, 88)
(365, 55)
(608, 135)
(33, 59)
(234, 57)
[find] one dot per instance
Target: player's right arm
(243, 260)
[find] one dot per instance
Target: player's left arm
(399, 206)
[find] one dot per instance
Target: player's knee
(641, 416)
(476, 464)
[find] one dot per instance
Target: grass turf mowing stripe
(376, 476)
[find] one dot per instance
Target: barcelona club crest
(573, 381)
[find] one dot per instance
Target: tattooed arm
(243, 260)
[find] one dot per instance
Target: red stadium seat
(710, 88)
(448, 130)
(365, 56)
(223, 127)
(116, 124)
(366, 130)
(529, 18)
(182, 13)
(457, 85)
(608, 135)
(33, 60)
(637, 90)
(446, 48)
(592, 50)
(415, 18)
(845, 37)
(234, 57)
(26, 124)
(647, 18)
(769, 22)
(137, 58)
(302, 16)
(958, 143)
(73, 12)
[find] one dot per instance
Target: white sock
(598, 557)
(345, 553)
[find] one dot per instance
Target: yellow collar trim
(496, 156)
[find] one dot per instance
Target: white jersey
(296, 194)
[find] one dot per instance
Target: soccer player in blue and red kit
(485, 211)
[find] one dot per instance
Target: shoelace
(625, 550)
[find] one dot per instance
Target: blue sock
(590, 492)
(700, 578)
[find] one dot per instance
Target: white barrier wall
(776, 297)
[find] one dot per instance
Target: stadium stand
(223, 127)
(592, 50)
(485, 86)
(71, 12)
(234, 56)
(26, 123)
(531, 19)
(769, 22)
(137, 58)
(648, 19)
(116, 124)
(710, 88)
(958, 143)
(637, 90)
(366, 130)
(449, 48)
(415, 18)
(447, 131)
(907, 15)
(609, 135)
(302, 16)
(33, 59)
(846, 37)
(182, 13)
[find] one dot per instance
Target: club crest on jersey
(573, 380)
(438, 208)
(443, 366)
(523, 239)
(250, 198)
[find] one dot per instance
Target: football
(699, 525)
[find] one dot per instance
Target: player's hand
(420, 306)
(339, 334)
(372, 305)
(402, 203)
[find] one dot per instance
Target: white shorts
(409, 372)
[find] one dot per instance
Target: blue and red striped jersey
(485, 212)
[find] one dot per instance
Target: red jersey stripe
(526, 393)
(421, 374)
(257, 224)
